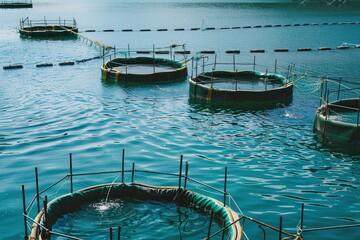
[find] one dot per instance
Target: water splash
(105, 205)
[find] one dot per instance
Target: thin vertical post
(358, 116)
(119, 231)
(234, 61)
(357, 125)
(302, 217)
(280, 228)
(122, 165)
(215, 62)
(338, 95)
(322, 89)
(133, 172)
(186, 173)
(126, 66)
(254, 62)
(154, 57)
(115, 51)
(37, 189)
(275, 68)
(45, 212)
(266, 79)
(203, 64)
(326, 90)
(225, 183)
(288, 71)
(327, 112)
(24, 207)
(196, 65)
(192, 67)
(71, 174)
(211, 219)
(180, 171)
(103, 55)
(129, 50)
(236, 81)
(111, 233)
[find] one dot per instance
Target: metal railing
(183, 180)
(27, 23)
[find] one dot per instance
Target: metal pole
(338, 96)
(119, 230)
(133, 172)
(203, 64)
(234, 62)
(211, 219)
(287, 74)
(122, 167)
(45, 212)
(321, 90)
(111, 235)
(192, 67)
(357, 122)
(327, 113)
(180, 171)
(71, 177)
(280, 228)
(215, 62)
(186, 173)
(254, 62)
(275, 66)
(103, 53)
(196, 68)
(37, 189)
(129, 50)
(225, 183)
(154, 57)
(302, 217)
(266, 79)
(24, 207)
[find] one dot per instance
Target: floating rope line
(96, 43)
(185, 53)
(203, 28)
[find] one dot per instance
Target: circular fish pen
(48, 28)
(241, 87)
(143, 70)
(338, 122)
(137, 210)
(181, 197)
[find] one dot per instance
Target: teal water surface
(274, 161)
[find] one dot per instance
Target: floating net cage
(144, 69)
(48, 28)
(242, 85)
(338, 117)
(16, 4)
(228, 221)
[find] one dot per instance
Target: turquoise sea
(274, 161)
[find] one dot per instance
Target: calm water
(274, 161)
